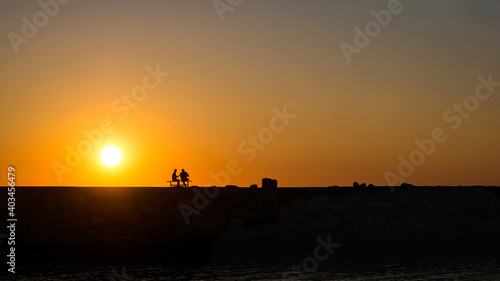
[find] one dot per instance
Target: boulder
(406, 185)
(268, 183)
(231, 187)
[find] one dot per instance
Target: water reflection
(457, 269)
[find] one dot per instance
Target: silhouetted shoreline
(146, 224)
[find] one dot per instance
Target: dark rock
(236, 223)
(98, 223)
(254, 186)
(366, 219)
(128, 218)
(231, 187)
(268, 183)
(319, 225)
(149, 212)
(416, 226)
(297, 203)
(126, 207)
(355, 184)
(332, 221)
(283, 213)
(252, 224)
(235, 245)
(316, 203)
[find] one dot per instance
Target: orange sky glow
(263, 91)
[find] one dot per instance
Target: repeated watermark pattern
(120, 106)
(454, 117)
(248, 148)
(30, 28)
(363, 37)
(310, 264)
(11, 220)
(223, 6)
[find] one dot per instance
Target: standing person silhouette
(174, 177)
(184, 177)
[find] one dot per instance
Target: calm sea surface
(457, 269)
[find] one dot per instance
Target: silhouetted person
(184, 177)
(174, 177)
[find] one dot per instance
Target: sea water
(437, 269)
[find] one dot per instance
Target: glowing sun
(111, 156)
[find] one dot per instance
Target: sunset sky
(217, 75)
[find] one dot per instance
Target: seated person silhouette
(174, 177)
(184, 177)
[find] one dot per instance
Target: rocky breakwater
(252, 225)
